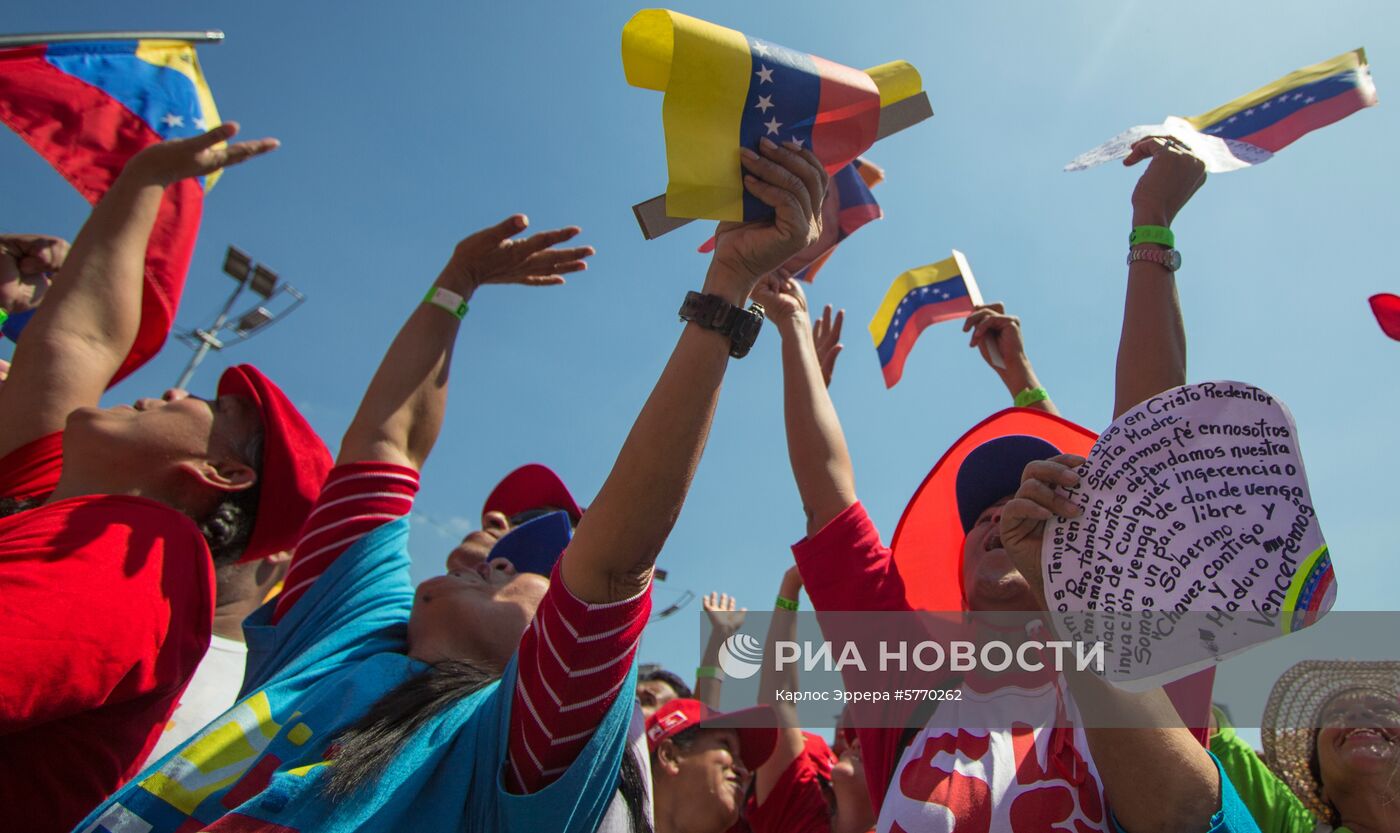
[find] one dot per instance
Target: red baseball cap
(295, 462)
(755, 727)
(529, 487)
(819, 753)
(928, 543)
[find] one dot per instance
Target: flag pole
(34, 39)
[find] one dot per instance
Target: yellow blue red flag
(724, 89)
(88, 107)
(916, 300)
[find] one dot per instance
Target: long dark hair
(632, 787)
(365, 748)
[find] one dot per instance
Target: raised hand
(725, 619)
(826, 339)
(26, 260)
(492, 256)
(1024, 516)
(783, 300)
(994, 333)
(793, 183)
(1170, 180)
(169, 162)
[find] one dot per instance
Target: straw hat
(1294, 713)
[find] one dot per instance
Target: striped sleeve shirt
(356, 499)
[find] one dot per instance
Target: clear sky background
(406, 126)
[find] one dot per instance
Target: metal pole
(34, 39)
(206, 336)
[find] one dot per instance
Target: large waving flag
(1255, 126)
(918, 299)
(88, 107)
(848, 206)
(724, 89)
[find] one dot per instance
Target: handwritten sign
(1198, 537)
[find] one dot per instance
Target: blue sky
(407, 126)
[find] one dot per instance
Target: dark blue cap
(992, 471)
(534, 546)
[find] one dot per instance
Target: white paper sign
(1198, 537)
(1220, 155)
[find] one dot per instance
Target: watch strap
(740, 326)
(1169, 259)
(1160, 235)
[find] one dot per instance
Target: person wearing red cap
(701, 762)
(483, 699)
(110, 516)
(968, 766)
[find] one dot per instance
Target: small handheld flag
(1387, 310)
(917, 299)
(88, 107)
(1255, 126)
(724, 89)
(848, 206)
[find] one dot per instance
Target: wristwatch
(714, 313)
(1170, 259)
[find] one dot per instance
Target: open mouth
(1368, 736)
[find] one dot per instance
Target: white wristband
(448, 300)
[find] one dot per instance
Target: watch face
(1173, 260)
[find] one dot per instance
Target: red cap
(294, 462)
(821, 756)
(757, 734)
(928, 543)
(530, 487)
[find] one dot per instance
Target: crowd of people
(156, 680)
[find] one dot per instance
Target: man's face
(990, 578)
(475, 548)
(1360, 735)
(653, 694)
(711, 779)
(175, 428)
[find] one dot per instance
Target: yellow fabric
(180, 56)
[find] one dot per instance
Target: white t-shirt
(617, 819)
(211, 692)
(1030, 777)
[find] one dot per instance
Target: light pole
(264, 282)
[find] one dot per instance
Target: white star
(797, 140)
(764, 102)
(1283, 97)
(765, 75)
(1232, 120)
(1297, 96)
(172, 120)
(198, 123)
(1265, 105)
(1309, 100)
(761, 48)
(1249, 112)
(772, 124)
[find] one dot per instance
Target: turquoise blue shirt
(262, 764)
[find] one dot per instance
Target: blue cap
(535, 546)
(992, 471)
(12, 325)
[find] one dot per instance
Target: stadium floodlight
(249, 275)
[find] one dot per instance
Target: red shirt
(106, 607)
(795, 803)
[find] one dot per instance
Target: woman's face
(1360, 736)
(477, 614)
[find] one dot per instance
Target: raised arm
(88, 322)
(616, 543)
(821, 464)
(726, 618)
(1152, 347)
(997, 335)
(781, 628)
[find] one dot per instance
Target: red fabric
(795, 803)
(356, 499)
(107, 610)
(531, 486)
(1387, 310)
(572, 662)
(88, 136)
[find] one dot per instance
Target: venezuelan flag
(87, 108)
(848, 206)
(918, 299)
(724, 89)
(1278, 114)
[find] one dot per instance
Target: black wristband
(714, 313)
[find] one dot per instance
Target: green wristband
(4, 316)
(448, 300)
(1030, 396)
(786, 604)
(707, 672)
(1161, 235)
